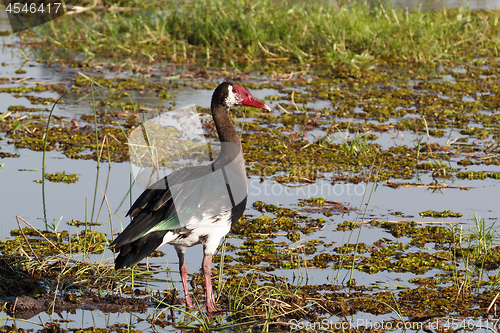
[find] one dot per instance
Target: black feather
(132, 253)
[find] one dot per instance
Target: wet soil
(25, 296)
(28, 306)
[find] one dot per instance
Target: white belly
(208, 231)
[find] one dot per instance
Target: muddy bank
(26, 307)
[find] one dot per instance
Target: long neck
(230, 140)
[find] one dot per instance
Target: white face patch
(232, 99)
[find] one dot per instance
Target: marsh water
(22, 195)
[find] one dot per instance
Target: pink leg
(184, 273)
(207, 271)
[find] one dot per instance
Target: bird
(193, 205)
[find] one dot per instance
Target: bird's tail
(131, 253)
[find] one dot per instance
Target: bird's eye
(235, 90)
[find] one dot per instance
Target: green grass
(356, 144)
(475, 256)
(242, 34)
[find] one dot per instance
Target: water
(22, 196)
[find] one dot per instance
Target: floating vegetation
(21, 108)
(164, 95)
(398, 213)
(419, 236)
(76, 223)
(118, 95)
(478, 175)
(286, 220)
(59, 177)
(286, 153)
(347, 225)
(53, 243)
(443, 214)
(7, 155)
(313, 202)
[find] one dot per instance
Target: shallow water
(21, 195)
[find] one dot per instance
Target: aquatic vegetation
(443, 214)
(477, 175)
(5, 155)
(53, 242)
(288, 147)
(312, 202)
(346, 225)
(285, 219)
(250, 295)
(59, 177)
